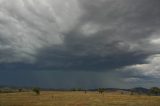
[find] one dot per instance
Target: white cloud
(132, 79)
(90, 29)
(155, 41)
(151, 69)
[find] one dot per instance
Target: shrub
(36, 90)
(100, 90)
(19, 90)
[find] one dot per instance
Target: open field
(76, 99)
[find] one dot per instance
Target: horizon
(78, 89)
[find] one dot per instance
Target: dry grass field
(76, 99)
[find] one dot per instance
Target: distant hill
(135, 90)
(14, 88)
(140, 90)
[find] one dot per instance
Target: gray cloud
(27, 26)
(81, 35)
(110, 35)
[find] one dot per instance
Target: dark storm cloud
(81, 35)
(67, 60)
(110, 34)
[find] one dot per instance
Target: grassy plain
(47, 98)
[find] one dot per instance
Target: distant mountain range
(140, 89)
(137, 89)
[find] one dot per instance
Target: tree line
(155, 91)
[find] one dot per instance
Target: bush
(100, 90)
(76, 89)
(19, 90)
(131, 93)
(36, 90)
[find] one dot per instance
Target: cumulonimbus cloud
(79, 34)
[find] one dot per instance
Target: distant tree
(79, 89)
(73, 89)
(155, 91)
(36, 90)
(100, 90)
(19, 90)
(76, 89)
(85, 91)
(122, 92)
(131, 93)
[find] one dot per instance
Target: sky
(80, 43)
